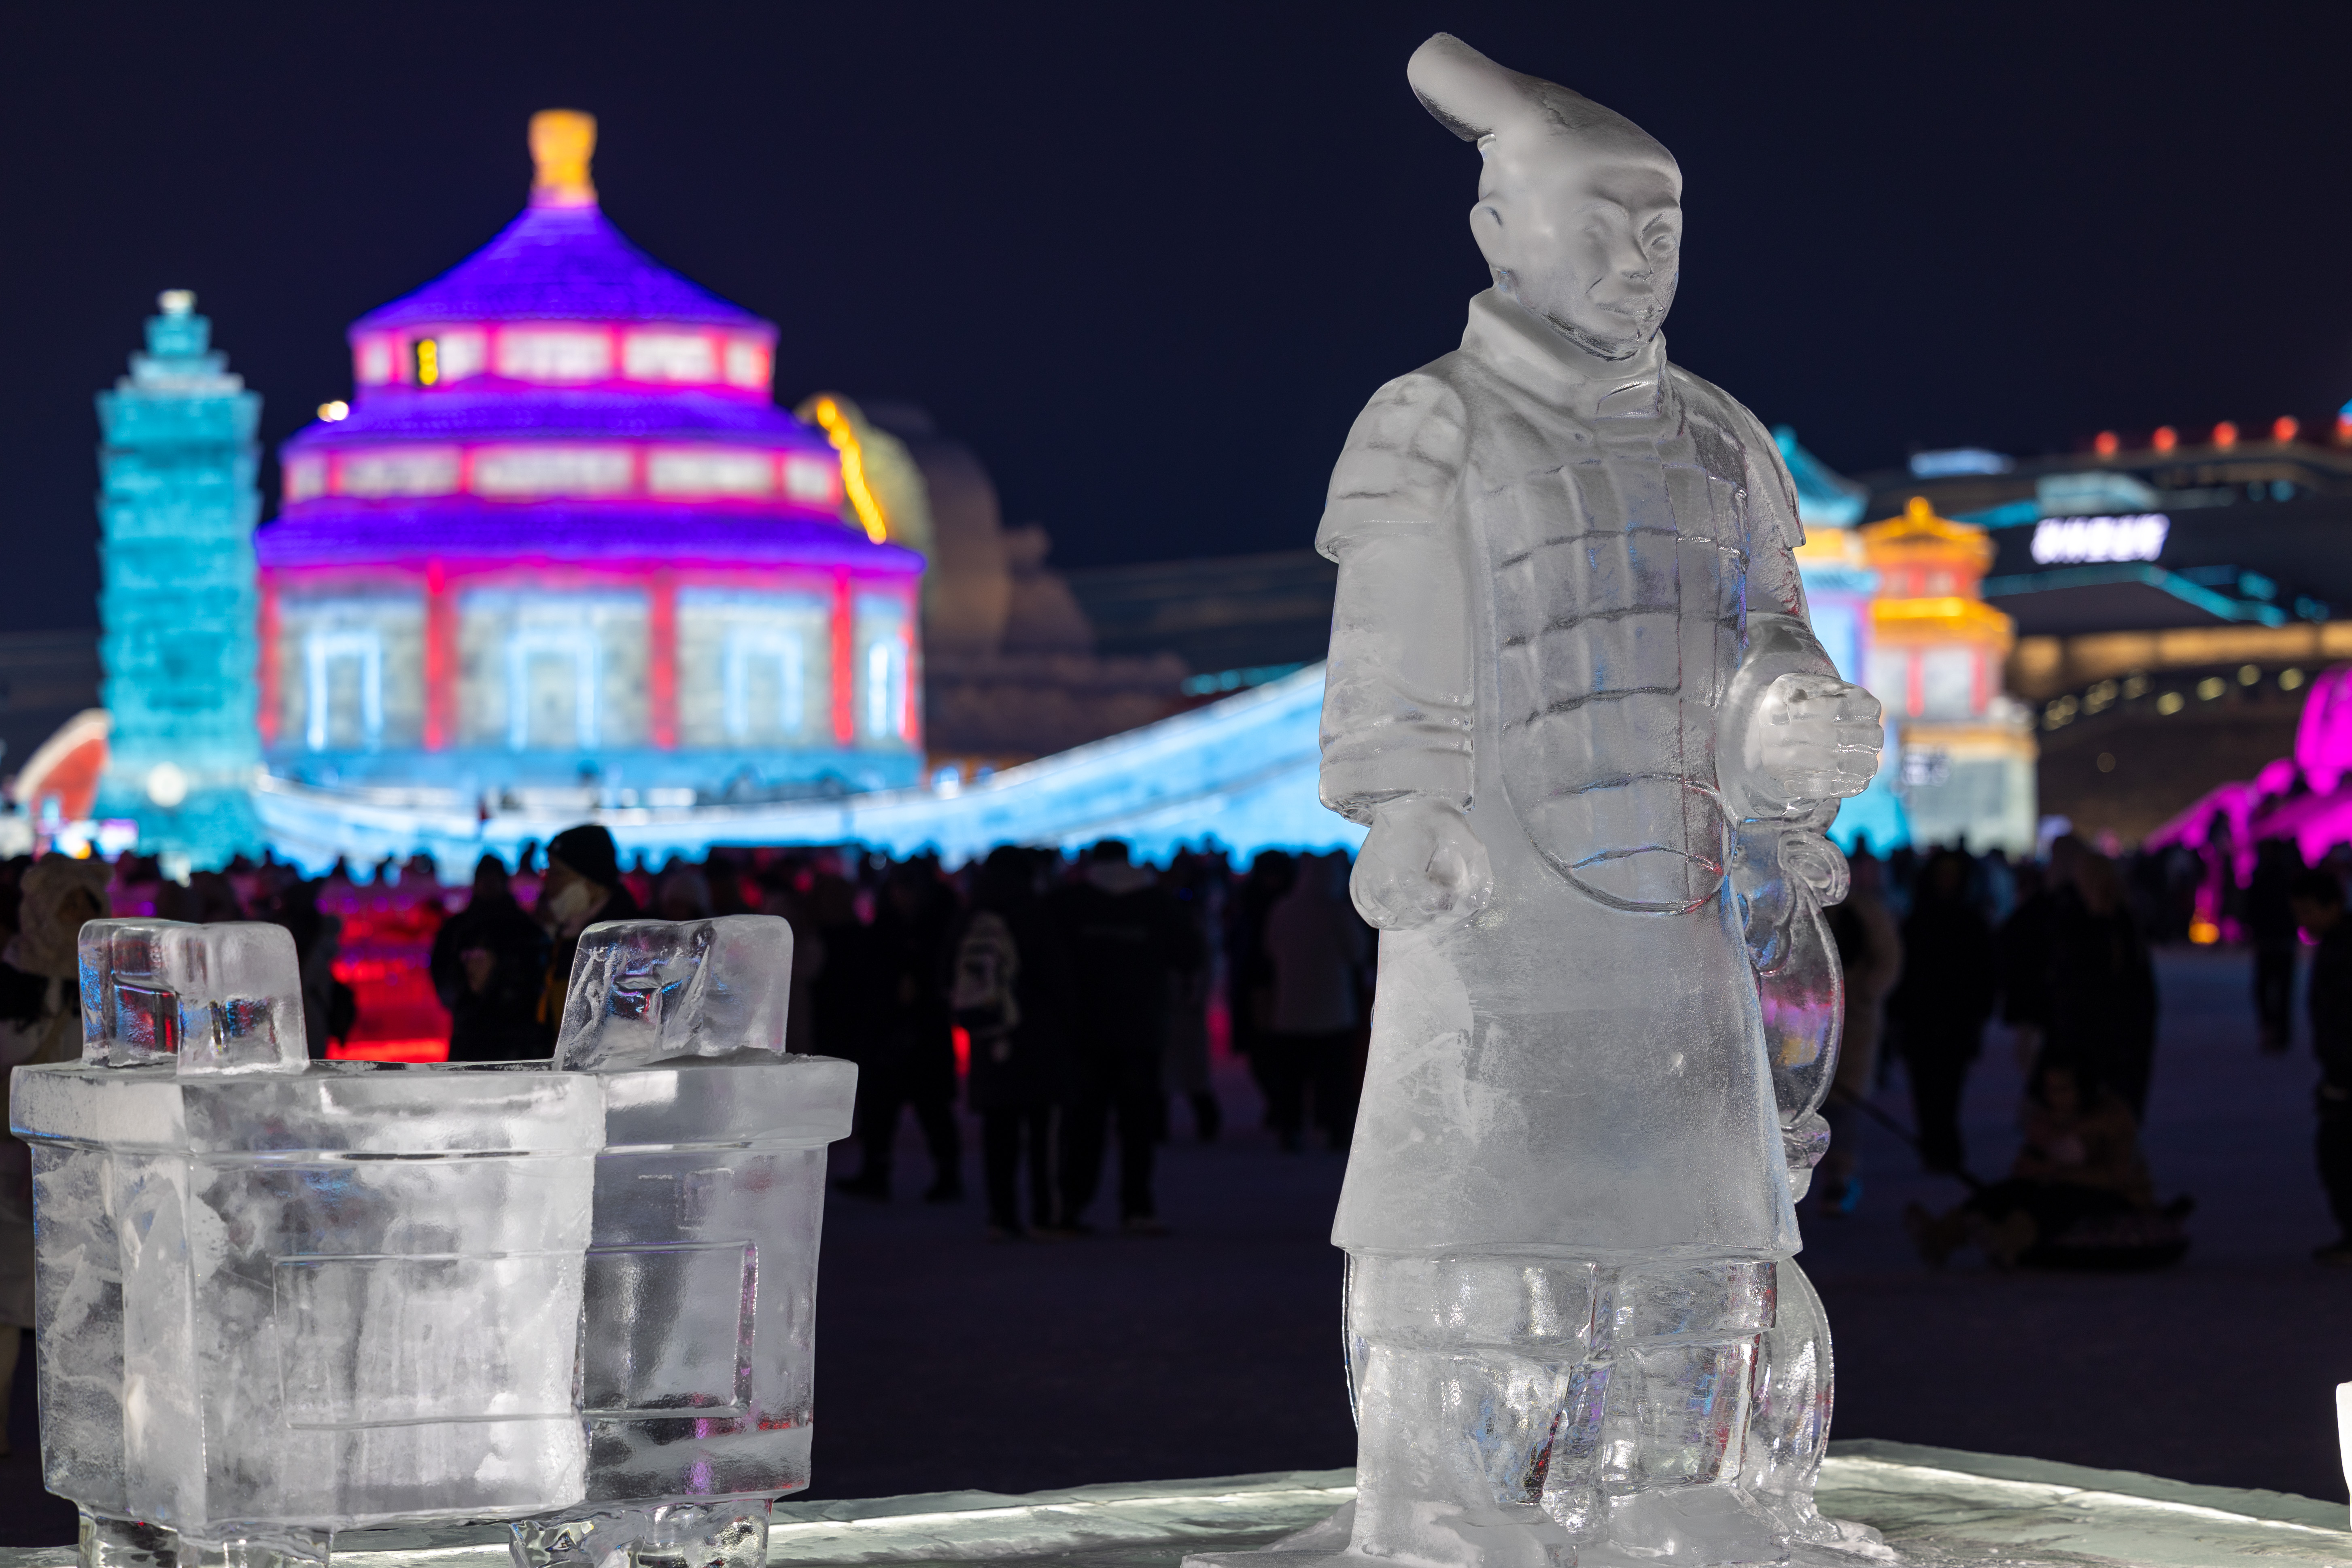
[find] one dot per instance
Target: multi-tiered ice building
(562, 545)
(176, 508)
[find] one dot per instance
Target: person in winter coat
(1950, 980)
(2270, 928)
(1249, 973)
(1316, 946)
(1125, 939)
(910, 1061)
(583, 886)
(1870, 952)
(40, 1021)
(1010, 993)
(488, 967)
(2103, 1002)
(2318, 902)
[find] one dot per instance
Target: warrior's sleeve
(1397, 693)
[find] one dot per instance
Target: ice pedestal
(697, 1361)
(277, 1299)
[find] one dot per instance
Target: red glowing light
(2225, 435)
(2285, 427)
(2165, 439)
(2105, 444)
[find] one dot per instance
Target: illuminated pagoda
(1840, 587)
(562, 545)
(176, 510)
(1935, 659)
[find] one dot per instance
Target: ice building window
(812, 479)
(753, 666)
(1947, 683)
(398, 471)
(554, 354)
(326, 654)
(746, 366)
(668, 356)
(1890, 679)
(883, 699)
(708, 472)
(463, 355)
(372, 361)
(349, 669)
(520, 472)
(306, 478)
(882, 678)
(768, 648)
(551, 670)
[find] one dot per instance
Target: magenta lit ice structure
(278, 1298)
(2305, 797)
(563, 540)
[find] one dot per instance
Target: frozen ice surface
(643, 991)
(1574, 696)
(212, 998)
(697, 1355)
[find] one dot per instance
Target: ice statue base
(1936, 1508)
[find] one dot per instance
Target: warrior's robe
(1552, 571)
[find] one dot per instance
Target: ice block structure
(697, 1353)
(278, 1298)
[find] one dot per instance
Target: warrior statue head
(1580, 210)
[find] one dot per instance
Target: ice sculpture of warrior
(1573, 694)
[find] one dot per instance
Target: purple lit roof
(565, 263)
(542, 414)
(336, 533)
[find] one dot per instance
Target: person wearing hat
(583, 886)
(489, 967)
(1575, 699)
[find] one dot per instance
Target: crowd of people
(1938, 944)
(1071, 1003)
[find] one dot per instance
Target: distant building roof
(1825, 499)
(558, 263)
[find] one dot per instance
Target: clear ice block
(278, 1298)
(697, 1355)
(207, 998)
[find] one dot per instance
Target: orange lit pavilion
(1936, 654)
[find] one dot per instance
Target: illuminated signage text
(2070, 541)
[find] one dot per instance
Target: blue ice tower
(176, 511)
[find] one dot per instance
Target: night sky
(1149, 260)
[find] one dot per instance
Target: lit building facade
(561, 545)
(1935, 659)
(176, 508)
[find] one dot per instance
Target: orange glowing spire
(562, 140)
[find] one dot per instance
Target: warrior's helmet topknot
(1519, 120)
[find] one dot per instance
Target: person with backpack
(1009, 989)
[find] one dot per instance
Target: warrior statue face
(1592, 244)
